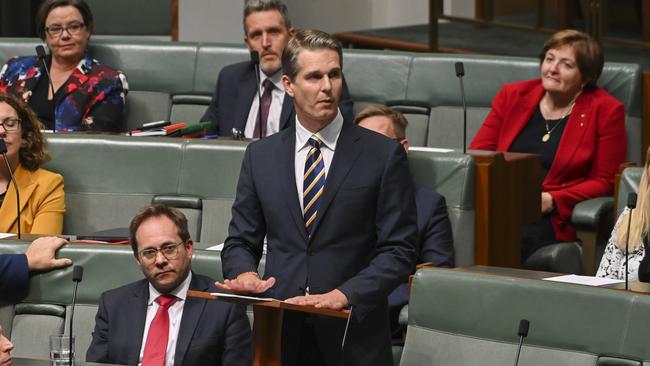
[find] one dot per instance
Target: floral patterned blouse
(613, 263)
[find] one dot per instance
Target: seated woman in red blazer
(576, 127)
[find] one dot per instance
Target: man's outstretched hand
(248, 282)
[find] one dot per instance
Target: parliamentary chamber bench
(175, 81)
(459, 318)
(107, 178)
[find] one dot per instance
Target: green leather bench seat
(630, 179)
(108, 178)
(45, 308)
(423, 85)
(464, 318)
(452, 174)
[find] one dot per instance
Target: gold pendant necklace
(547, 135)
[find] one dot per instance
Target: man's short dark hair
(310, 40)
(148, 212)
(254, 6)
(399, 121)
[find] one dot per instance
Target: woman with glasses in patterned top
(86, 95)
(42, 201)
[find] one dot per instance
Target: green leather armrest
(404, 316)
(587, 214)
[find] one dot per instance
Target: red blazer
(592, 147)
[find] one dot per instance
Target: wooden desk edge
(273, 304)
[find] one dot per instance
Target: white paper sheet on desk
(583, 280)
(219, 247)
(6, 235)
(234, 296)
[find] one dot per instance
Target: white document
(6, 235)
(430, 149)
(235, 296)
(218, 247)
(584, 280)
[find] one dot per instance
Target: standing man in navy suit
(436, 241)
(335, 202)
(236, 102)
(153, 321)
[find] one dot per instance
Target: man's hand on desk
(334, 299)
(247, 282)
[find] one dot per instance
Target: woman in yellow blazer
(42, 200)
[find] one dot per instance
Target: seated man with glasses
(153, 321)
(83, 94)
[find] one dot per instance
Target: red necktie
(260, 123)
(156, 346)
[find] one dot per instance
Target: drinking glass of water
(60, 350)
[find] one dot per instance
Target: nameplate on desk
(6, 235)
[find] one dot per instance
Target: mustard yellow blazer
(42, 203)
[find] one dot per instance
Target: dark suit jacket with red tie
(211, 332)
(233, 95)
(592, 147)
(364, 240)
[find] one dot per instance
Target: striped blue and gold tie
(313, 183)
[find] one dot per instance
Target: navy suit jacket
(211, 332)
(363, 241)
(14, 272)
(436, 240)
(233, 96)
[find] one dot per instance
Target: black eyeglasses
(10, 124)
(169, 251)
(56, 30)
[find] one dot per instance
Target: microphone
(77, 275)
(631, 205)
(3, 152)
(522, 333)
(255, 60)
(460, 72)
(354, 300)
(40, 53)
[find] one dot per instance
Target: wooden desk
(267, 328)
(508, 195)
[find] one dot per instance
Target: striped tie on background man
(313, 184)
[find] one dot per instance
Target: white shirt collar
(180, 291)
(328, 135)
(276, 79)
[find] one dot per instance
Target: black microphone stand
(3, 151)
(522, 333)
(255, 59)
(77, 275)
(460, 72)
(40, 53)
(631, 205)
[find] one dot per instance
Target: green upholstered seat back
(630, 179)
(452, 174)
(108, 178)
(464, 318)
(142, 17)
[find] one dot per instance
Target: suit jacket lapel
(286, 176)
(572, 136)
(287, 111)
(247, 91)
(346, 153)
(192, 311)
(137, 315)
(27, 186)
(523, 110)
